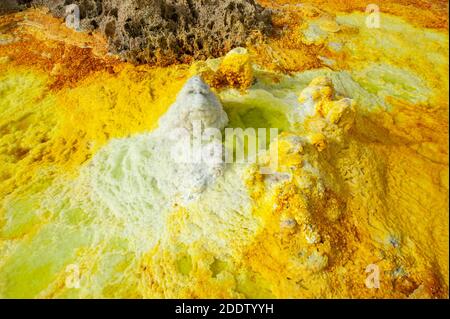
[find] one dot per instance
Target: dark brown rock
(167, 31)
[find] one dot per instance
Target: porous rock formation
(166, 31)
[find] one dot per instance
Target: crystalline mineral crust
(99, 198)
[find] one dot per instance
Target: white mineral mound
(195, 103)
(165, 162)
